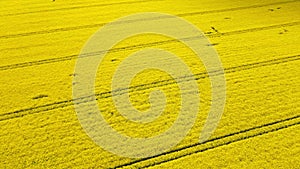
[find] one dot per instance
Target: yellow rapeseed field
(257, 42)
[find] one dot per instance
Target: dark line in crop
(205, 75)
(61, 104)
(80, 7)
(227, 143)
(255, 29)
(235, 9)
(215, 139)
(102, 24)
(52, 31)
(70, 57)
